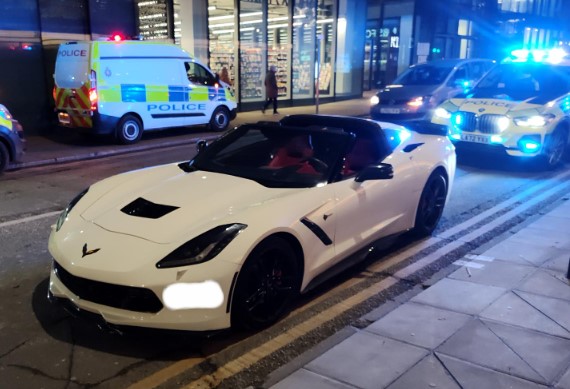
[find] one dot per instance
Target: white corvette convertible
(257, 217)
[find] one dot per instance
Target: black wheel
(129, 130)
(220, 119)
(4, 157)
(554, 148)
(268, 282)
(430, 206)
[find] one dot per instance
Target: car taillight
(93, 98)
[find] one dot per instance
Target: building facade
(323, 50)
(403, 32)
(317, 46)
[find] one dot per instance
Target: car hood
(175, 203)
(493, 106)
(401, 92)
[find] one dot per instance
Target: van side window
(197, 74)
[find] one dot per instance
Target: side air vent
(144, 208)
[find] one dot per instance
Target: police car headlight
(4, 113)
(374, 100)
(534, 121)
(442, 113)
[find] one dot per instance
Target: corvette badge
(88, 252)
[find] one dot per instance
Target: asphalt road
(42, 346)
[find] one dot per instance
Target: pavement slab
(378, 362)
(524, 252)
(564, 382)
(547, 283)
(428, 374)
(514, 310)
(556, 309)
(420, 325)
(307, 379)
(477, 344)
(547, 355)
(495, 272)
(471, 376)
(559, 264)
(556, 238)
(460, 296)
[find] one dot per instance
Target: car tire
(220, 119)
(4, 157)
(129, 130)
(555, 148)
(268, 282)
(431, 204)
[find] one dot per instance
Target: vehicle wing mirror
(201, 145)
(383, 171)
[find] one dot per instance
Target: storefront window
(304, 48)
(350, 47)
(279, 46)
(252, 40)
(221, 33)
(325, 50)
(153, 22)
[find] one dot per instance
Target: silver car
(416, 92)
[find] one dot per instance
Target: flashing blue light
(457, 119)
(538, 55)
(529, 146)
(403, 135)
(455, 136)
(496, 139)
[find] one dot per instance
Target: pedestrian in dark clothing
(271, 90)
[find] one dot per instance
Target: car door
(202, 92)
(365, 211)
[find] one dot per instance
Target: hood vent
(144, 208)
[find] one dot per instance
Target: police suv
(521, 107)
(121, 88)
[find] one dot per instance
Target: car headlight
(374, 100)
(534, 121)
(442, 113)
(63, 215)
(203, 247)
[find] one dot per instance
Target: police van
(123, 88)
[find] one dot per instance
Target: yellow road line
(245, 361)
(177, 368)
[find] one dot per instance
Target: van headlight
(534, 120)
(203, 247)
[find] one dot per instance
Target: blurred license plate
(475, 138)
(63, 118)
(390, 110)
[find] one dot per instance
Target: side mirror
(201, 145)
(384, 171)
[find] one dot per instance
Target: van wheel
(4, 157)
(220, 119)
(129, 130)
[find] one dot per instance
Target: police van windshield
(524, 81)
(424, 75)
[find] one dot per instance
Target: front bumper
(15, 140)
(129, 293)
(397, 114)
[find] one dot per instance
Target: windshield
(524, 81)
(424, 75)
(274, 156)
